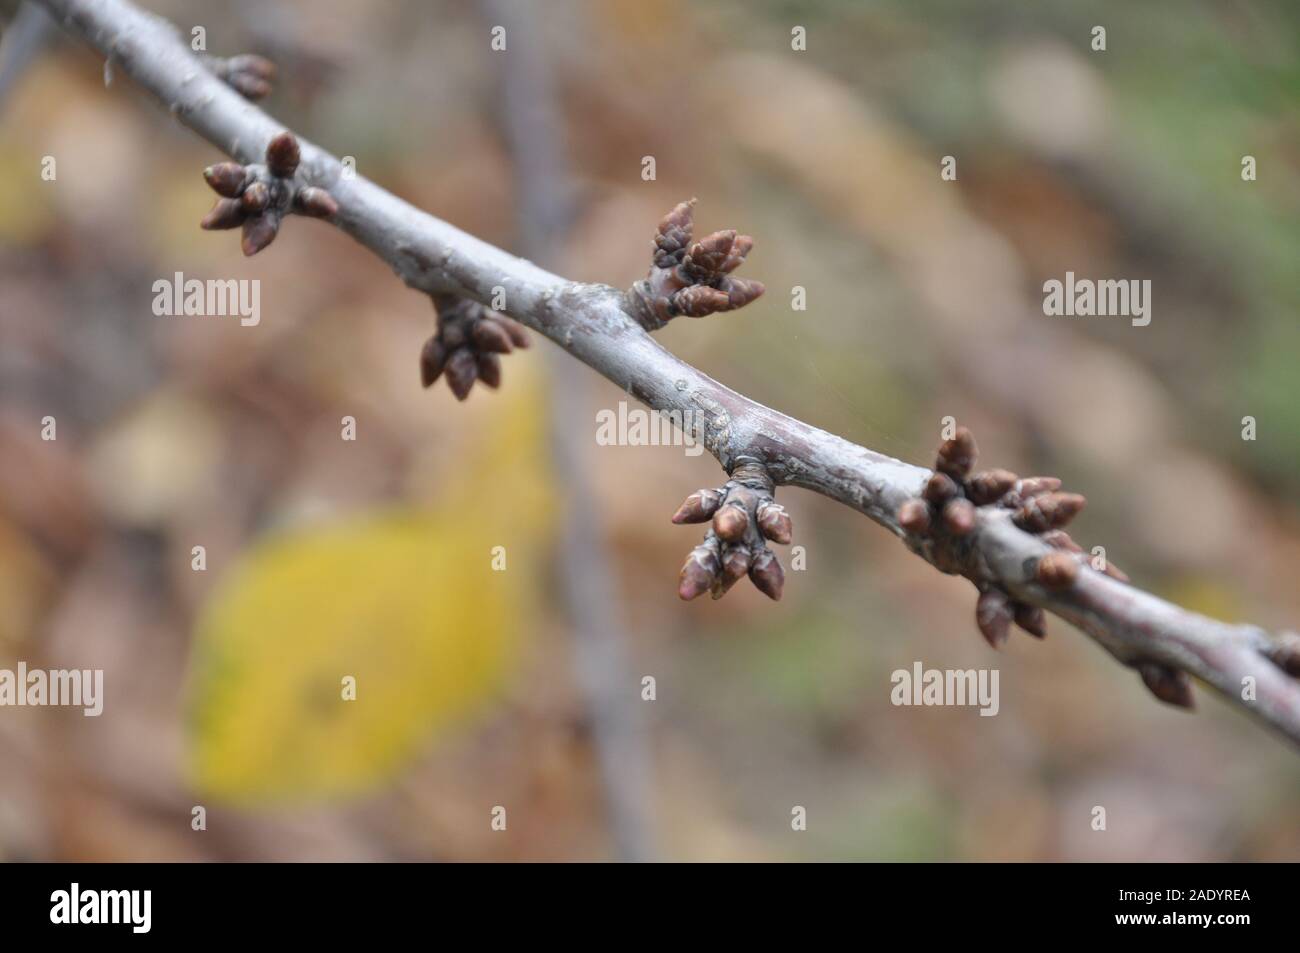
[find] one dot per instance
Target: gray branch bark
(590, 323)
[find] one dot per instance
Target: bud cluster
(468, 344)
(691, 278)
(743, 516)
(258, 197)
(945, 515)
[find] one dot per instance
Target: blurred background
(514, 677)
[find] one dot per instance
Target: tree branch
(593, 324)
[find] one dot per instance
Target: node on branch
(941, 524)
(744, 516)
(468, 344)
(259, 196)
(691, 278)
(248, 74)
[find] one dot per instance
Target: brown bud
(256, 198)
(453, 335)
(705, 257)
(740, 248)
(225, 178)
(674, 233)
(489, 370)
(740, 291)
(698, 573)
(1284, 650)
(959, 516)
(227, 213)
(283, 155)
(518, 336)
(993, 616)
(315, 202)
(1056, 570)
(957, 456)
(730, 523)
(432, 358)
(1048, 511)
(1115, 572)
(774, 522)
(939, 489)
(697, 301)
(491, 336)
(989, 486)
(1035, 486)
(250, 87)
(1168, 684)
(735, 563)
(252, 64)
(698, 507)
(914, 515)
(1060, 539)
(258, 233)
(1032, 619)
(766, 573)
(462, 371)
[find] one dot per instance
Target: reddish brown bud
(704, 259)
(989, 486)
(256, 198)
(258, 233)
(959, 516)
(1048, 511)
(774, 522)
(1168, 684)
(250, 87)
(489, 370)
(698, 507)
(698, 573)
(957, 456)
(1060, 539)
(225, 178)
(432, 359)
(766, 573)
(740, 248)
(674, 233)
(315, 202)
(939, 489)
(730, 523)
(735, 563)
(993, 616)
(1032, 619)
(462, 371)
(740, 291)
(1056, 570)
(1036, 486)
(251, 64)
(1284, 650)
(697, 301)
(491, 336)
(914, 515)
(227, 213)
(518, 336)
(283, 155)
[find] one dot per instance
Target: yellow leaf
(407, 604)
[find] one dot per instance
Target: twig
(593, 324)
